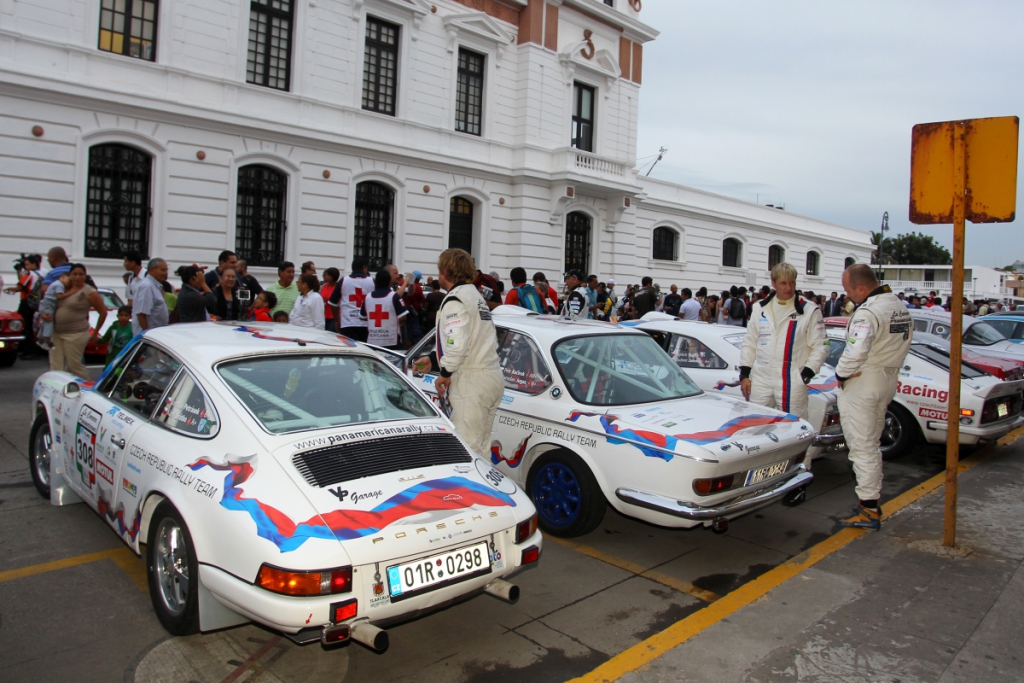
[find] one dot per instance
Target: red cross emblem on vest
(358, 297)
(379, 315)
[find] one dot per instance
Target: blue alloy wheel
(556, 493)
(568, 499)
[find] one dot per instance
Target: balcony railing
(586, 163)
(944, 288)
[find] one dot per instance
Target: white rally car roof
(551, 328)
(664, 321)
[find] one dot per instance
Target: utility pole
(661, 155)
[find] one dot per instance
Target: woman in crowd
(721, 315)
(71, 322)
(331, 313)
(308, 310)
(229, 306)
(195, 300)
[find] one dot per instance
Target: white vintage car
(594, 413)
(989, 407)
(710, 355)
(281, 475)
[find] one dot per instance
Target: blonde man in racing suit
(467, 352)
(877, 340)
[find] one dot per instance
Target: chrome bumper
(828, 439)
(678, 508)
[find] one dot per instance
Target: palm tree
(877, 239)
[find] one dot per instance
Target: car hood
(705, 427)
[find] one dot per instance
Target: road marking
(632, 567)
(647, 651)
(124, 558)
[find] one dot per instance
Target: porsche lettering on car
(280, 475)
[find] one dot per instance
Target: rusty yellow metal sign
(990, 157)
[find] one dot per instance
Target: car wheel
(40, 450)
(568, 500)
(7, 359)
(899, 432)
(173, 572)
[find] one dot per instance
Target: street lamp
(881, 245)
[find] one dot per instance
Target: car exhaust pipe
(334, 635)
(720, 525)
(500, 588)
(371, 636)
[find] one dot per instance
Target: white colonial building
(391, 129)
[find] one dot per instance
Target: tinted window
(983, 334)
(690, 353)
(1007, 328)
(522, 364)
(187, 409)
(144, 378)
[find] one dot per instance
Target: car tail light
(705, 487)
(287, 582)
(531, 555)
(343, 611)
(831, 418)
(526, 529)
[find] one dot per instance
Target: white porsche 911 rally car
(710, 356)
(989, 407)
(594, 413)
(281, 475)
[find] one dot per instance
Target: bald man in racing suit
(878, 337)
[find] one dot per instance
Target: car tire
(899, 433)
(173, 572)
(568, 500)
(40, 450)
(7, 359)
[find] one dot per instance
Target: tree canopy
(911, 248)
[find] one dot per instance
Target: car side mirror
(71, 390)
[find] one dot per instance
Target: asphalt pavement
(73, 605)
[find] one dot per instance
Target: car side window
(425, 347)
(105, 385)
(144, 378)
(692, 353)
(941, 329)
(522, 364)
(1005, 327)
(920, 325)
(187, 409)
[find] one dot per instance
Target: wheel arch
(540, 449)
(149, 506)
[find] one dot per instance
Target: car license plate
(420, 576)
(766, 472)
(1003, 409)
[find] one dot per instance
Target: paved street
(80, 612)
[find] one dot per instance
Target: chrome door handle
(117, 442)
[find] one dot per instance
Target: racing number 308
(455, 564)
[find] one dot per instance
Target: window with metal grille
(460, 224)
(260, 215)
(128, 27)
(776, 255)
(848, 262)
(731, 252)
(117, 206)
(664, 243)
(374, 206)
(583, 117)
(469, 96)
(577, 243)
(380, 66)
(813, 262)
(270, 43)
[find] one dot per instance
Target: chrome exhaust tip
(500, 588)
(371, 636)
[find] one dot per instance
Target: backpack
(737, 309)
(34, 294)
(529, 298)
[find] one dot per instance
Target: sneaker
(862, 518)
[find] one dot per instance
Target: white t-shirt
(689, 310)
(308, 311)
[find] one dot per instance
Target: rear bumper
(825, 440)
(936, 431)
(696, 513)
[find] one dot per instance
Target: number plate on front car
(420, 576)
(766, 472)
(1003, 409)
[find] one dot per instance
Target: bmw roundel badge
(771, 435)
(556, 392)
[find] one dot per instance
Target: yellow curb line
(647, 651)
(633, 568)
(124, 558)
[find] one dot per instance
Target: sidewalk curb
(659, 644)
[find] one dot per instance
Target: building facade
(391, 129)
(979, 282)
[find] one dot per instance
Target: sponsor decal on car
(116, 517)
(933, 414)
(129, 488)
(105, 471)
(183, 476)
(941, 395)
(517, 457)
(362, 435)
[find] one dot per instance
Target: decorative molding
(602, 65)
(562, 195)
(494, 9)
(589, 50)
(417, 8)
(668, 265)
(479, 26)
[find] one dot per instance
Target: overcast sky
(811, 104)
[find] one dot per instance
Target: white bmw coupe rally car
(594, 413)
(989, 407)
(710, 356)
(281, 475)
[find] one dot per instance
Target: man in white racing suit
(467, 352)
(878, 337)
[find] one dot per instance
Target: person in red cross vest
(348, 296)
(384, 313)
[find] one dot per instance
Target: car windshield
(294, 392)
(111, 300)
(925, 351)
(983, 334)
(620, 369)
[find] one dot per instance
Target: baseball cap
(611, 281)
(417, 274)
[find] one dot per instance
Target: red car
(12, 333)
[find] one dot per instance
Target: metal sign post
(961, 170)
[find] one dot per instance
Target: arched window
(664, 244)
(460, 224)
(813, 262)
(731, 252)
(577, 243)
(374, 230)
(849, 262)
(260, 215)
(117, 207)
(776, 255)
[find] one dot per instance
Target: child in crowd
(48, 306)
(261, 306)
(117, 335)
(281, 317)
